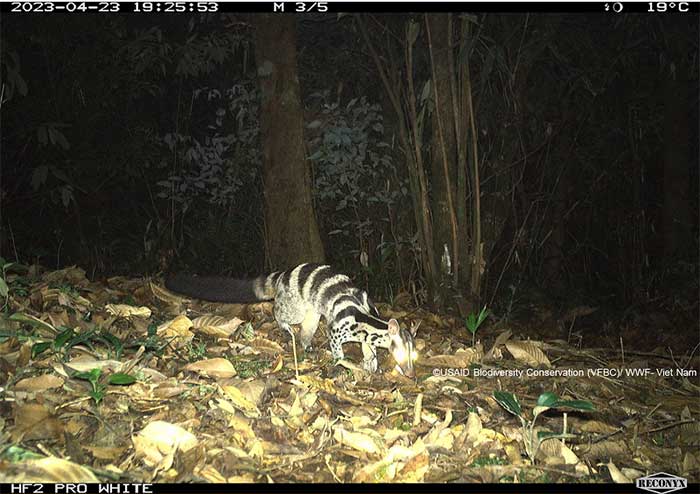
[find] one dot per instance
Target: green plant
(360, 196)
(483, 461)
(533, 440)
(214, 166)
(249, 367)
(197, 351)
(20, 288)
(247, 331)
(67, 338)
(63, 338)
(99, 385)
(151, 342)
(65, 288)
(113, 342)
(14, 454)
(4, 289)
(473, 321)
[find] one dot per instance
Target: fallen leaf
(35, 421)
(34, 322)
(417, 409)
(528, 352)
(277, 366)
(216, 326)
(210, 474)
(128, 311)
(72, 274)
(608, 449)
(328, 386)
(214, 367)
(85, 363)
(597, 427)
(555, 452)
(241, 402)
(617, 476)
(440, 436)
(472, 430)
(164, 295)
(502, 337)
(39, 383)
(399, 464)
(158, 441)
(169, 388)
(178, 330)
(49, 470)
(356, 440)
(266, 346)
(463, 358)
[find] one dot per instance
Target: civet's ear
(414, 327)
(394, 327)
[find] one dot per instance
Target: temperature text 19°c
(668, 6)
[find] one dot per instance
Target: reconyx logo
(661, 483)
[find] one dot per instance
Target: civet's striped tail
(224, 290)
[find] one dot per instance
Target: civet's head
(402, 347)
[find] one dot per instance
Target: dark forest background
(464, 160)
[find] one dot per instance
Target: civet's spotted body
(302, 296)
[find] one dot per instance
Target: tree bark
(291, 229)
(677, 217)
(443, 147)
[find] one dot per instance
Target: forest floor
(122, 381)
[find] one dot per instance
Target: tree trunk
(443, 147)
(677, 222)
(291, 230)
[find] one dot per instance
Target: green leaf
(113, 341)
(85, 376)
(57, 137)
(121, 379)
(38, 348)
(576, 405)
(508, 401)
(16, 454)
(63, 337)
(482, 315)
(14, 267)
(152, 329)
(6, 266)
(97, 395)
(470, 321)
(547, 399)
(32, 321)
(425, 93)
(413, 30)
(81, 338)
(91, 375)
(4, 290)
(66, 195)
(473, 321)
(39, 176)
